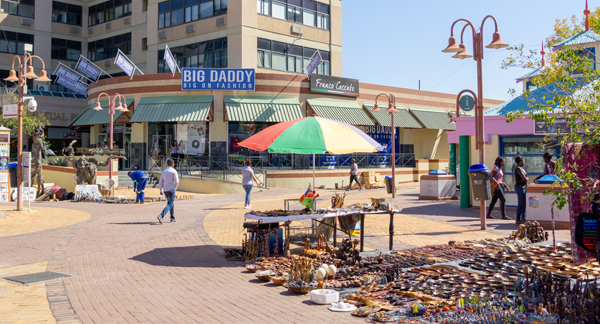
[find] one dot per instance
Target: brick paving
(128, 269)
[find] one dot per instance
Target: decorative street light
(392, 110)
(111, 113)
(461, 53)
(25, 64)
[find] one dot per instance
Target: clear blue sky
(399, 42)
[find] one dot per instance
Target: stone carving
(36, 155)
(86, 167)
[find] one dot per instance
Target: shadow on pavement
(200, 256)
(137, 223)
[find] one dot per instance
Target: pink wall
(493, 125)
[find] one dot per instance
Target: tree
(9, 96)
(568, 88)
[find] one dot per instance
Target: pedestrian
(354, 176)
(247, 178)
(98, 148)
(168, 183)
(520, 179)
(498, 186)
(173, 152)
(549, 166)
(105, 146)
(140, 179)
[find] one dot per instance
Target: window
(307, 12)
(63, 49)
(107, 11)
(14, 43)
(24, 8)
(287, 57)
(209, 54)
(144, 44)
(66, 13)
(107, 48)
(177, 12)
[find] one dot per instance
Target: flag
(306, 200)
(313, 64)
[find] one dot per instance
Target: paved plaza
(129, 269)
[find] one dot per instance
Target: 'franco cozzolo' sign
(218, 79)
(333, 85)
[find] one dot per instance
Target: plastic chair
(106, 187)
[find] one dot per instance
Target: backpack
(586, 230)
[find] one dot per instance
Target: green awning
(262, 109)
(172, 109)
(93, 117)
(433, 119)
(402, 118)
(343, 110)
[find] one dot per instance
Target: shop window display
(532, 148)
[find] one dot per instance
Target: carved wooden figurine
(86, 167)
(36, 155)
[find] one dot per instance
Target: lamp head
(376, 107)
(462, 54)
(497, 42)
(452, 47)
(30, 73)
(392, 109)
(43, 77)
(452, 119)
(119, 107)
(12, 76)
(98, 106)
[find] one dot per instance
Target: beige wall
(429, 143)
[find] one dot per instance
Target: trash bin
(12, 171)
(480, 182)
(388, 184)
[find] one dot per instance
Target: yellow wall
(429, 143)
(65, 179)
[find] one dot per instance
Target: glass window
(168, 19)
(310, 5)
(108, 47)
(176, 4)
(19, 7)
(220, 7)
(190, 2)
(188, 14)
(279, 10)
(260, 57)
(206, 54)
(297, 3)
(309, 18)
(279, 47)
(299, 66)
(264, 44)
(195, 12)
(206, 9)
(264, 7)
(14, 43)
(294, 14)
(323, 8)
(161, 20)
(164, 7)
(291, 65)
(177, 17)
(279, 62)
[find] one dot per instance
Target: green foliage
(573, 94)
(10, 96)
(58, 162)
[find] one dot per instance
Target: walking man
(140, 179)
(169, 181)
(354, 176)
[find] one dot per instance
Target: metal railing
(46, 93)
(229, 167)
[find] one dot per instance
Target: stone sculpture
(36, 155)
(86, 168)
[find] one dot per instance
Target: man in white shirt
(168, 183)
(354, 176)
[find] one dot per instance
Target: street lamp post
(20, 78)
(392, 110)
(111, 113)
(461, 53)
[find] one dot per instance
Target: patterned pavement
(129, 269)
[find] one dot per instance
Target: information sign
(10, 111)
(26, 167)
(467, 103)
(218, 79)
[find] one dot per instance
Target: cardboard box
(365, 174)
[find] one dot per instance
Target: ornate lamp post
(25, 64)
(392, 110)
(111, 113)
(461, 53)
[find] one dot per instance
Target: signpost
(218, 79)
(467, 103)
(26, 174)
(334, 85)
(10, 111)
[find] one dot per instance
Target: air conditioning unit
(90, 30)
(108, 26)
(297, 30)
(190, 28)
(74, 30)
(221, 21)
(41, 87)
(26, 22)
(127, 21)
(162, 34)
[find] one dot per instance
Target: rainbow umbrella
(312, 135)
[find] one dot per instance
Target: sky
(399, 42)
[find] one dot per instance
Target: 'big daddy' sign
(218, 79)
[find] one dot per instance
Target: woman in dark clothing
(549, 167)
(498, 187)
(520, 179)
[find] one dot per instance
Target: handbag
(586, 229)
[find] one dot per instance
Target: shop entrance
(121, 139)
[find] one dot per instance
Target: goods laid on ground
(491, 281)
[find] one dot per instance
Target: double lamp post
(461, 53)
(391, 110)
(111, 113)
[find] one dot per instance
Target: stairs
(124, 180)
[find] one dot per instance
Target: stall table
(288, 219)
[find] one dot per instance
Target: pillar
(465, 182)
(453, 160)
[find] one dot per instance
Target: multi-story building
(277, 38)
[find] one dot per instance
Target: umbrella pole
(314, 162)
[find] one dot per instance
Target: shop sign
(218, 79)
(124, 64)
(382, 135)
(73, 85)
(88, 68)
(5, 138)
(332, 85)
(558, 124)
(10, 111)
(118, 128)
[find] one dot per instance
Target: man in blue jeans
(168, 183)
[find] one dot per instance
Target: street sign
(124, 64)
(26, 167)
(10, 111)
(467, 103)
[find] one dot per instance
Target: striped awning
(93, 117)
(433, 119)
(172, 109)
(343, 110)
(262, 109)
(401, 119)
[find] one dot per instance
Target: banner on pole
(170, 60)
(125, 64)
(10, 111)
(88, 68)
(314, 63)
